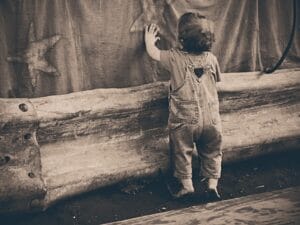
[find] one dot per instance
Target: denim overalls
(194, 119)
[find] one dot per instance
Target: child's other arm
(151, 38)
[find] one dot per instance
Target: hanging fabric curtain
(51, 47)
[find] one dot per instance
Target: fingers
(152, 28)
(151, 33)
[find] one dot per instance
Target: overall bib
(194, 121)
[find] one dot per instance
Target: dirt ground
(133, 199)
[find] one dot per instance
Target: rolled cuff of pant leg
(182, 176)
(209, 173)
(208, 176)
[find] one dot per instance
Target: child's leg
(210, 153)
(182, 145)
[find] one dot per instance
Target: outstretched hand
(151, 37)
(151, 34)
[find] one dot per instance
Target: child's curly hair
(195, 33)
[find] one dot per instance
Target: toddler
(194, 118)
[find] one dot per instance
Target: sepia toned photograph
(149, 112)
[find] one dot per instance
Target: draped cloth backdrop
(50, 47)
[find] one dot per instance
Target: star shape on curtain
(34, 56)
(152, 12)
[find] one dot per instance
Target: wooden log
(99, 137)
(113, 112)
(277, 207)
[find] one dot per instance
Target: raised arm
(151, 37)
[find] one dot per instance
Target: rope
(284, 54)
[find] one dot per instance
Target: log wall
(95, 138)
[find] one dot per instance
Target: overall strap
(194, 80)
(187, 64)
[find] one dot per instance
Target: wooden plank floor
(277, 207)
